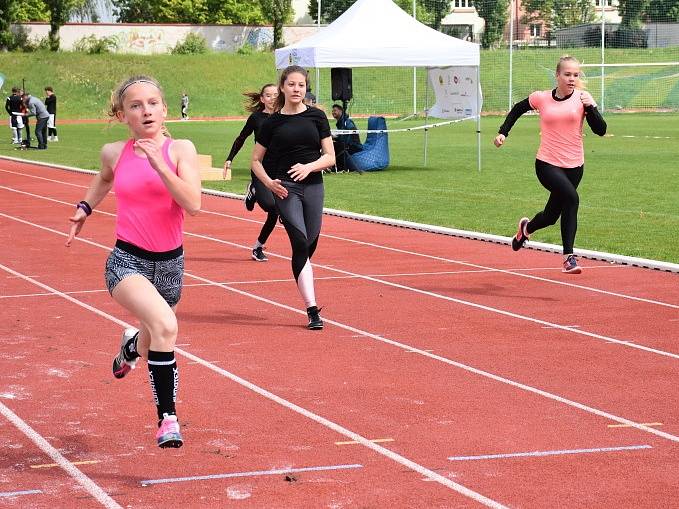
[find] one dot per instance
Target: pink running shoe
(168, 434)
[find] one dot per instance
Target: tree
(494, 13)
(31, 10)
(631, 11)
(7, 16)
(221, 12)
(277, 12)
(330, 9)
(60, 12)
(663, 11)
(429, 12)
(559, 13)
(437, 10)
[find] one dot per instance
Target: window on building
(535, 30)
(463, 4)
(606, 3)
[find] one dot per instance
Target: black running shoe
(258, 255)
(315, 322)
(520, 238)
(121, 364)
(250, 197)
(570, 265)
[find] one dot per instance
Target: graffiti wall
(148, 39)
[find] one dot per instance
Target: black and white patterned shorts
(165, 271)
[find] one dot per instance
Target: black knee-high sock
(164, 377)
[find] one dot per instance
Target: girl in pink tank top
(560, 161)
(156, 180)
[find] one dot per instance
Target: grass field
(629, 195)
(215, 81)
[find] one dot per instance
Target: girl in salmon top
(155, 179)
(560, 160)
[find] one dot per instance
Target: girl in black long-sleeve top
(261, 105)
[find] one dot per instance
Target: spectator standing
(185, 106)
(51, 105)
(36, 108)
(13, 106)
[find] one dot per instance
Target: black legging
(562, 183)
(264, 198)
(302, 214)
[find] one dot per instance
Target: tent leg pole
(478, 118)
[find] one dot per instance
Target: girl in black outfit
(261, 105)
(293, 147)
(560, 160)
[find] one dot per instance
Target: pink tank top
(560, 129)
(148, 217)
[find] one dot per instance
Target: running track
(451, 372)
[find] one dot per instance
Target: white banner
(455, 89)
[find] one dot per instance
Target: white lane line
(403, 346)
(44, 178)
(255, 473)
(508, 271)
(463, 490)
(93, 489)
(548, 453)
(432, 257)
(7, 494)
(267, 281)
(607, 339)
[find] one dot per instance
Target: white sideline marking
(93, 489)
(403, 346)
(289, 280)
(7, 494)
(463, 490)
(490, 269)
(491, 309)
(548, 453)
(483, 307)
(44, 178)
(249, 474)
(508, 271)
(465, 234)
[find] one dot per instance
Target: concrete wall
(160, 38)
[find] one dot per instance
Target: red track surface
(426, 344)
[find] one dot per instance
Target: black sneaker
(315, 322)
(121, 364)
(520, 238)
(250, 197)
(258, 255)
(570, 265)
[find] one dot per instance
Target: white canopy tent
(378, 33)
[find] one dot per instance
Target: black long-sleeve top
(252, 125)
(594, 118)
(51, 104)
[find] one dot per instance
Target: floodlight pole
(603, 53)
(511, 50)
(318, 71)
(478, 116)
(414, 69)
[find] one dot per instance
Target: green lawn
(215, 81)
(629, 196)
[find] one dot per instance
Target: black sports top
(292, 139)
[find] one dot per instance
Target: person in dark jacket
(51, 105)
(344, 143)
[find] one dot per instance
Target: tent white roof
(378, 33)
